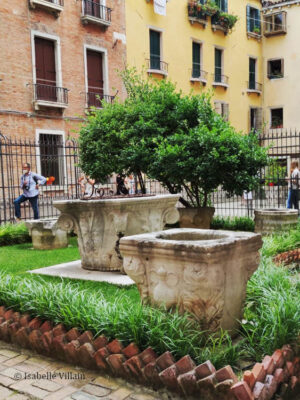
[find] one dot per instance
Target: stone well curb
(279, 373)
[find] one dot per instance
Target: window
(95, 80)
(155, 50)
(45, 69)
(222, 4)
(275, 69)
(222, 109)
(275, 24)
(51, 156)
(253, 20)
(218, 65)
(252, 74)
(255, 119)
(276, 118)
(196, 71)
(47, 76)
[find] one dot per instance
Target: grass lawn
(19, 258)
(271, 317)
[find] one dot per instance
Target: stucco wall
(178, 33)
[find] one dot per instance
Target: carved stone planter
(46, 235)
(100, 224)
(198, 217)
(204, 272)
(268, 221)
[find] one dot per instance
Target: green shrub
(272, 311)
(14, 234)
(178, 140)
(245, 224)
(281, 242)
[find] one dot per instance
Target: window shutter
(218, 107)
(154, 43)
(252, 73)
(248, 19)
(154, 50)
(259, 119)
(224, 5)
(225, 112)
(95, 78)
(218, 65)
(257, 18)
(196, 60)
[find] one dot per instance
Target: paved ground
(73, 270)
(24, 375)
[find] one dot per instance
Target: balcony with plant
(198, 11)
(195, 12)
(223, 21)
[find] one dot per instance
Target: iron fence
(54, 158)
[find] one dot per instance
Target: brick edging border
(279, 373)
(287, 257)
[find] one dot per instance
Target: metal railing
(198, 73)
(219, 78)
(50, 93)
(93, 9)
(154, 63)
(252, 85)
(53, 157)
(94, 99)
(58, 2)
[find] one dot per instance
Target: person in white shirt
(293, 200)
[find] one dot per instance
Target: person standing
(293, 200)
(30, 182)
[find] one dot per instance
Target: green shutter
(224, 5)
(257, 19)
(154, 50)
(248, 19)
(218, 65)
(252, 73)
(196, 60)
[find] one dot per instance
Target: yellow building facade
(281, 61)
(226, 60)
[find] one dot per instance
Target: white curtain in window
(160, 7)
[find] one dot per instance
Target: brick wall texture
(17, 21)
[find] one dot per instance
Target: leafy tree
(174, 138)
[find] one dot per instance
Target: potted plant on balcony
(226, 20)
(210, 8)
(256, 30)
(192, 8)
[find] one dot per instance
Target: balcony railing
(51, 96)
(220, 80)
(155, 65)
(254, 86)
(96, 13)
(58, 2)
(198, 74)
(94, 99)
(54, 6)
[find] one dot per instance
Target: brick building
(57, 57)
